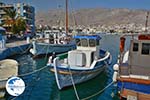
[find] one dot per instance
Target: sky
(45, 5)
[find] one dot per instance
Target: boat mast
(146, 24)
(67, 16)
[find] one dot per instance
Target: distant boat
(54, 41)
(82, 64)
(132, 72)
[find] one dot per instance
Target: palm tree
(16, 22)
(10, 16)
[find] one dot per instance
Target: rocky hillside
(97, 16)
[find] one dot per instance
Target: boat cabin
(87, 50)
(139, 55)
(53, 36)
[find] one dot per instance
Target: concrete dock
(8, 68)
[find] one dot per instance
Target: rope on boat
(37, 69)
(74, 87)
(98, 92)
(23, 51)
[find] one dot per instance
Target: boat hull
(45, 48)
(64, 76)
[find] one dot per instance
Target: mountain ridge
(92, 16)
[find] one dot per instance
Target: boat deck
(17, 43)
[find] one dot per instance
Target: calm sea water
(42, 86)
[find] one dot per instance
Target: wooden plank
(133, 94)
(134, 80)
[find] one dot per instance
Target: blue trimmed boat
(81, 64)
(52, 41)
(132, 72)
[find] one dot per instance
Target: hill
(97, 16)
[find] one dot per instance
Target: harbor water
(41, 85)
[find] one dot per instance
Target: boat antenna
(146, 23)
(67, 16)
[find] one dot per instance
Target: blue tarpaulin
(97, 37)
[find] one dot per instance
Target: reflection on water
(41, 85)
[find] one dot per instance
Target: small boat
(52, 41)
(132, 72)
(81, 64)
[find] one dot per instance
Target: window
(145, 48)
(84, 42)
(92, 42)
(78, 42)
(135, 46)
(97, 42)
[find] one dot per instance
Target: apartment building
(25, 10)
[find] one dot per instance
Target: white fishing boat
(54, 41)
(82, 64)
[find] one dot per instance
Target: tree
(20, 25)
(10, 16)
(16, 22)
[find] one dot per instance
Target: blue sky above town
(78, 4)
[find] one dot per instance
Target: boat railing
(107, 54)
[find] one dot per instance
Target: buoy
(66, 61)
(28, 39)
(116, 67)
(50, 60)
(115, 76)
(122, 43)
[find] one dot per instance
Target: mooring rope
(37, 70)
(74, 87)
(76, 93)
(23, 51)
(98, 92)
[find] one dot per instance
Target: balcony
(2, 12)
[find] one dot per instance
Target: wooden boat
(80, 65)
(132, 73)
(54, 41)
